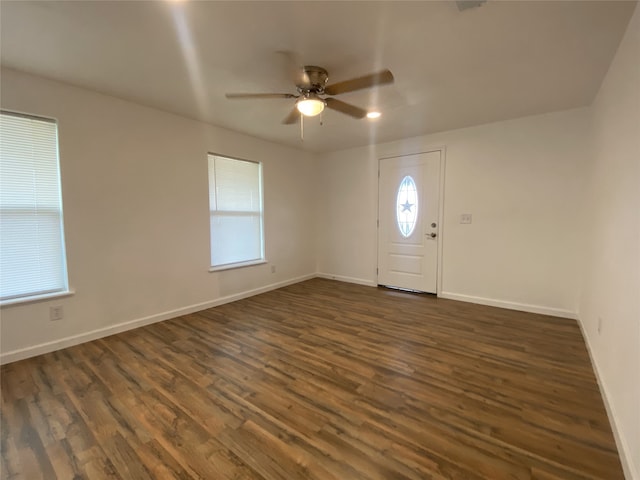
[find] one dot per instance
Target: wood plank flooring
(319, 380)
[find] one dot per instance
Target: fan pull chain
(302, 128)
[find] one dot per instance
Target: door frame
(441, 197)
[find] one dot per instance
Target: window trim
(43, 297)
(246, 263)
(231, 266)
(65, 290)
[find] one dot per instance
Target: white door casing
(408, 252)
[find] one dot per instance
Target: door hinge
(376, 271)
(378, 223)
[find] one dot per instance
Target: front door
(408, 223)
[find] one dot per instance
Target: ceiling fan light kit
(310, 106)
(310, 82)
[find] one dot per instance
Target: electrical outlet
(273, 269)
(599, 325)
(56, 313)
(465, 218)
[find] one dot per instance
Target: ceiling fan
(311, 84)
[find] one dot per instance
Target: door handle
(432, 234)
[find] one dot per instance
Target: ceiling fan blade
(292, 117)
(367, 81)
(345, 108)
(260, 95)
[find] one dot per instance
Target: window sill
(231, 266)
(36, 298)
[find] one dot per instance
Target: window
(235, 204)
(32, 255)
(407, 206)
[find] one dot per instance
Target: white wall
(135, 196)
(523, 182)
(612, 280)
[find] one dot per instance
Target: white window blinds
(32, 256)
(235, 201)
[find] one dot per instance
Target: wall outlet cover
(56, 313)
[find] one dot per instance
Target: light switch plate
(465, 218)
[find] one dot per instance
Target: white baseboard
(32, 351)
(630, 473)
(524, 307)
(23, 353)
(359, 281)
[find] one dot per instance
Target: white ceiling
(453, 69)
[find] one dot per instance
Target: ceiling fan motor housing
(313, 80)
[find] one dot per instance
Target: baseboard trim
(21, 354)
(630, 473)
(524, 307)
(341, 278)
(32, 351)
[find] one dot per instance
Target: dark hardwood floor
(319, 380)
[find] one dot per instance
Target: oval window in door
(407, 206)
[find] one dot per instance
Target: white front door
(408, 223)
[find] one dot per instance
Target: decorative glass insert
(407, 206)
